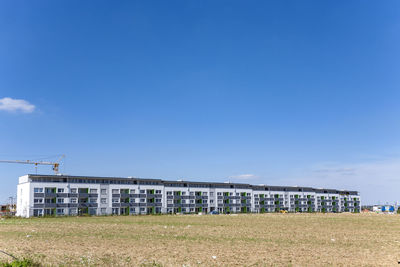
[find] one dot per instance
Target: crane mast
(55, 164)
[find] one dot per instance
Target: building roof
(180, 183)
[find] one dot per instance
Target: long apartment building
(60, 195)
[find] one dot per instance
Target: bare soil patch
(192, 240)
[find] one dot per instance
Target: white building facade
(62, 195)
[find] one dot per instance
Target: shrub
(20, 263)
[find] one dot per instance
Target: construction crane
(55, 165)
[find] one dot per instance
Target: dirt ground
(208, 240)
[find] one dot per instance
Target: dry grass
(190, 240)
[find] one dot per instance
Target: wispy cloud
(244, 177)
(377, 180)
(16, 105)
(337, 170)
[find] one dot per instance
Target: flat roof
(181, 183)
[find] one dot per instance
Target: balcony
(91, 205)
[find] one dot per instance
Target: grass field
(192, 240)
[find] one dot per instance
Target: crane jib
(55, 165)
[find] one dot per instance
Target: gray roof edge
(254, 187)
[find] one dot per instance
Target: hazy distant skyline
(265, 92)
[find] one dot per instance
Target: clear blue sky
(273, 92)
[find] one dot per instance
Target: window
(219, 193)
(38, 200)
(103, 201)
(93, 191)
(142, 191)
(103, 191)
(115, 200)
(60, 200)
(73, 190)
(191, 201)
(132, 200)
(103, 210)
(60, 190)
(158, 200)
(192, 193)
(183, 193)
(211, 201)
(142, 209)
(169, 201)
(219, 201)
(133, 191)
(73, 211)
(49, 190)
(169, 193)
(205, 201)
(142, 200)
(183, 201)
(74, 200)
(249, 194)
(115, 191)
(92, 200)
(38, 190)
(60, 211)
(205, 193)
(237, 194)
(211, 194)
(38, 212)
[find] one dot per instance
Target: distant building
(40, 195)
(7, 209)
(384, 208)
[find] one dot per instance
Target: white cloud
(376, 180)
(244, 177)
(16, 105)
